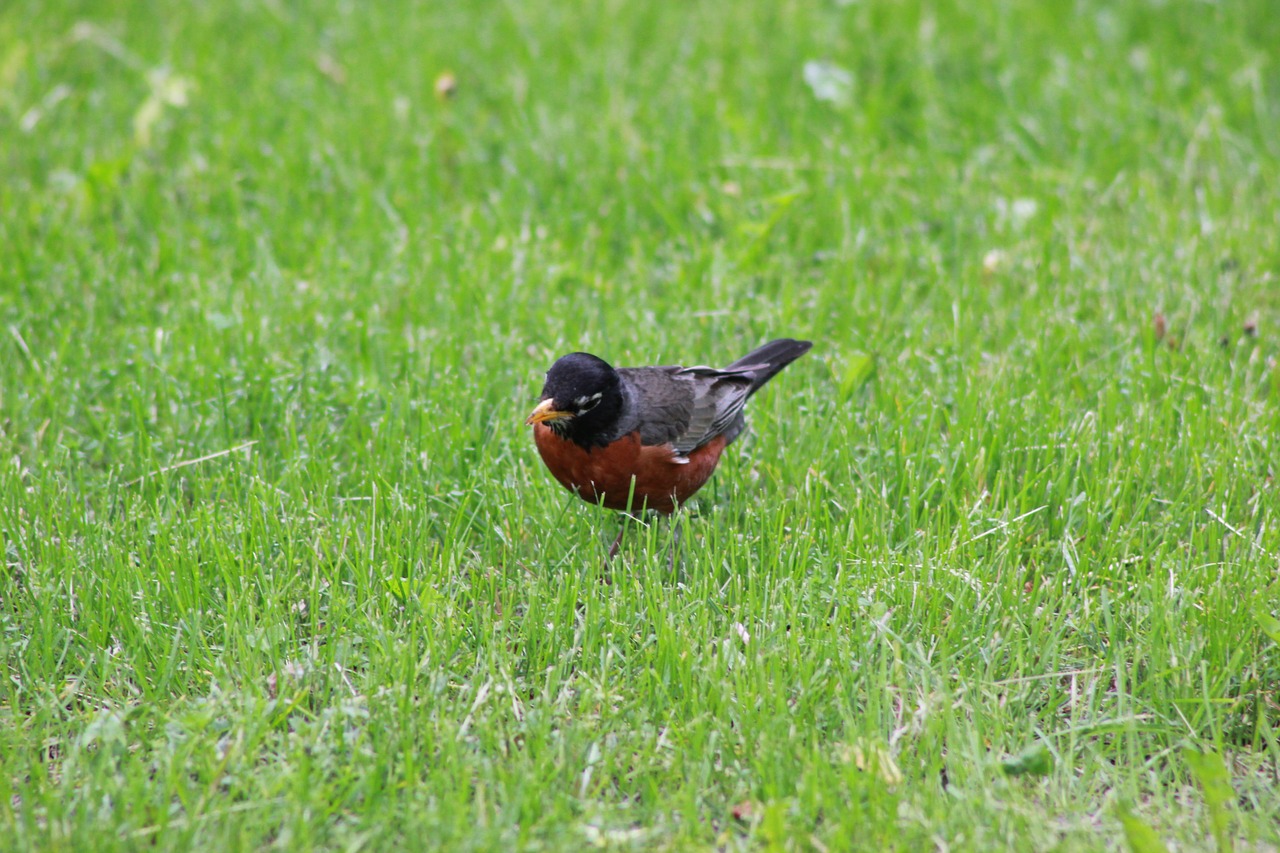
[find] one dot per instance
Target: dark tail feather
(770, 359)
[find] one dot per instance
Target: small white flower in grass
(168, 90)
(1016, 213)
(829, 82)
(446, 85)
(994, 260)
(330, 67)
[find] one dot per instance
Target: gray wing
(686, 406)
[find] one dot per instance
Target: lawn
(996, 565)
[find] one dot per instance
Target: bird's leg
(675, 543)
(617, 542)
(675, 521)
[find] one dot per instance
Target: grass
(996, 567)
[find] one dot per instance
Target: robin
(632, 438)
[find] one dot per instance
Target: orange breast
(603, 475)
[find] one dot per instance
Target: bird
(635, 438)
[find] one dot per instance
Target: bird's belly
(605, 475)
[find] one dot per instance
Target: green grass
(282, 567)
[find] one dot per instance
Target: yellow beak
(544, 412)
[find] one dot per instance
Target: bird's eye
(586, 404)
